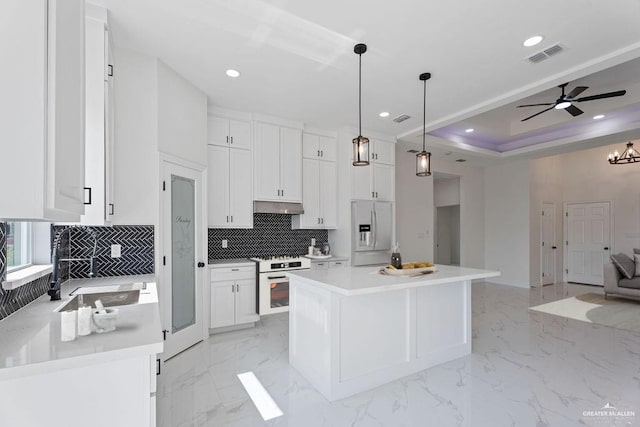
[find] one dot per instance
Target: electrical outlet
(116, 251)
(225, 243)
(313, 241)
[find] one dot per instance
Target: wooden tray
(409, 272)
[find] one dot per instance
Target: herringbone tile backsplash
(271, 235)
(137, 256)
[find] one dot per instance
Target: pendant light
(361, 143)
(629, 155)
(423, 158)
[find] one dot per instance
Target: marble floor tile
(527, 369)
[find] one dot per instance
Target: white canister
(68, 325)
(84, 320)
(311, 248)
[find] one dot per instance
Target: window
(18, 245)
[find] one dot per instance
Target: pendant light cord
(360, 95)
(424, 115)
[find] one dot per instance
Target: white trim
(23, 276)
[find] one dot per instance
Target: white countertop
(331, 258)
(30, 338)
(366, 280)
(234, 262)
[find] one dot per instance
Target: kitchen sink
(108, 298)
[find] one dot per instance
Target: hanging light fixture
(361, 143)
(423, 158)
(629, 155)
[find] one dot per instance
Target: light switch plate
(225, 243)
(313, 241)
(116, 251)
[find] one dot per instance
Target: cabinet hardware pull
(200, 264)
(158, 366)
(231, 218)
(227, 139)
(235, 269)
(232, 140)
(233, 289)
(321, 153)
(110, 72)
(227, 218)
(318, 153)
(89, 202)
(373, 194)
(111, 208)
(237, 288)
(376, 194)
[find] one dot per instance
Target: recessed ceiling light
(598, 117)
(469, 130)
(233, 73)
(532, 41)
(384, 114)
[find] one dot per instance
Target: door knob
(606, 248)
(201, 264)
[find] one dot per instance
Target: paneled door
(588, 241)
(548, 243)
(184, 255)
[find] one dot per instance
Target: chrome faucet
(54, 291)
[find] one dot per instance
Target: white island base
(352, 330)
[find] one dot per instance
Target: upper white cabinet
(320, 185)
(42, 109)
(230, 188)
(377, 180)
(229, 132)
(99, 130)
(278, 163)
(318, 147)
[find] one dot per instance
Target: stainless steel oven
(273, 282)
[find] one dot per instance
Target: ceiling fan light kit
(360, 143)
(565, 102)
(629, 155)
(423, 158)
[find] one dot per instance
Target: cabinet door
(310, 194)
(240, 189)
(328, 194)
(320, 265)
(310, 146)
(246, 301)
(110, 129)
(240, 134)
(217, 131)
(218, 186)
(66, 102)
(328, 148)
(385, 152)
(361, 182)
(291, 164)
(222, 304)
(267, 162)
(384, 178)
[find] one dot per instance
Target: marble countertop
(332, 258)
(366, 280)
(31, 336)
(233, 262)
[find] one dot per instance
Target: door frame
(162, 250)
(565, 231)
(555, 253)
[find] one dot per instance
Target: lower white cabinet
(233, 296)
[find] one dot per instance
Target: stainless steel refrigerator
(372, 227)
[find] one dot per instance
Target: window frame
(26, 246)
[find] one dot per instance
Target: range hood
(278, 208)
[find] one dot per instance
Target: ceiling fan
(565, 102)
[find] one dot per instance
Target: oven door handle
(276, 277)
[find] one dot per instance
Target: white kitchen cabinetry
(318, 147)
(99, 142)
(320, 187)
(230, 187)
(229, 132)
(328, 264)
(233, 296)
(42, 109)
(278, 163)
(383, 152)
(373, 182)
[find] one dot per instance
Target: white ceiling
(297, 60)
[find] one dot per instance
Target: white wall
(415, 209)
(446, 192)
(182, 117)
(506, 192)
(136, 139)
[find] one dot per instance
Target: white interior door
(183, 253)
(548, 243)
(588, 237)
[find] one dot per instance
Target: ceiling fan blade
(577, 91)
(536, 105)
(573, 110)
(536, 114)
(601, 96)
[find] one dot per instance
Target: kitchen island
(353, 329)
(97, 380)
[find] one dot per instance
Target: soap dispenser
(396, 260)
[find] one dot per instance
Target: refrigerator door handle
(375, 228)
